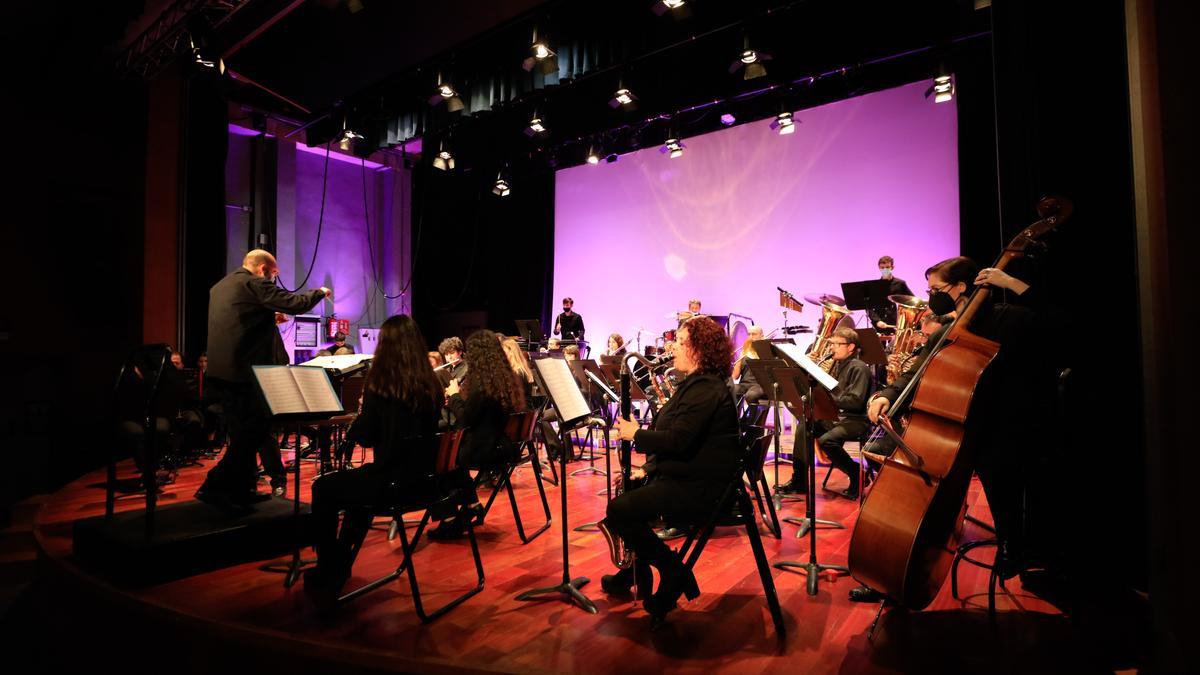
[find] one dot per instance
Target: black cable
(370, 246)
(320, 225)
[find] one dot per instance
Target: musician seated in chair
(480, 406)
(746, 386)
(695, 445)
(402, 401)
(1012, 414)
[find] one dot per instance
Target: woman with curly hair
(489, 393)
(402, 400)
(694, 443)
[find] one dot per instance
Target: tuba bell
(832, 313)
(909, 311)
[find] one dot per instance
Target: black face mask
(941, 303)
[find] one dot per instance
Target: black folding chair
(439, 504)
(519, 448)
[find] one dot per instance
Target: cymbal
(907, 300)
(824, 299)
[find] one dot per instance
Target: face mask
(886, 271)
(941, 303)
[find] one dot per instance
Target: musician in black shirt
(883, 316)
(694, 442)
(850, 396)
(569, 324)
(401, 404)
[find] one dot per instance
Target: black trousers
(249, 424)
(630, 514)
(131, 440)
(834, 438)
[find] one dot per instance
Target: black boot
(676, 580)
(623, 581)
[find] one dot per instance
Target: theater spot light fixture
(623, 98)
(540, 57)
(750, 62)
(446, 92)
(501, 187)
(942, 89)
(677, 8)
(204, 60)
(784, 123)
(348, 137)
(593, 157)
(672, 148)
(536, 127)
(443, 160)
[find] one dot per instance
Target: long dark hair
(489, 373)
(401, 367)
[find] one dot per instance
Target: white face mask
(886, 272)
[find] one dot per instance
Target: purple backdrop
(745, 210)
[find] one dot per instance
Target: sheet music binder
(298, 392)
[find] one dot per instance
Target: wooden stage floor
(727, 629)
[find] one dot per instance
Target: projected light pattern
(746, 210)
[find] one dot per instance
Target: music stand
(563, 392)
(809, 403)
(317, 403)
(870, 348)
(531, 331)
(762, 369)
(870, 294)
(579, 370)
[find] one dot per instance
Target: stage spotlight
(501, 187)
(672, 148)
(541, 57)
(348, 138)
(728, 119)
(677, 8)
(942, 89)
(206, 61)
(593, 157)
(623, 98)
(612, 157)
(784, 123)
(750, 62)
(446, 92)
(536, 128)
(443, 160)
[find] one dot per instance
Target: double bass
(910, 524)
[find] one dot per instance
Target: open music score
(796, 355)
(343, 363)
(297, 390)
(563, 389)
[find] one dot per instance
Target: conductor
(242, 334)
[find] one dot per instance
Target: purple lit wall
(745, 210)
(343, 259)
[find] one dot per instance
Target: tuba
(908, 333)
(831, 314)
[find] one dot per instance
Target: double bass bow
(910, 524)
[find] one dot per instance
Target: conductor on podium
(242, 334)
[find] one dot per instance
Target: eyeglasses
(937, 289)
(838, 344)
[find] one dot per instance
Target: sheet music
(296, 390)
(798, 356)
(341, 362)
(314, 386)
(563, 389)
(280, 390)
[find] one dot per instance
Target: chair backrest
(756, 442)
(447, 459)
(519, 427)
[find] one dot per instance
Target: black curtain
(202, 239)
(480, 259)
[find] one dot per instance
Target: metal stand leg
(569, 588)
(808, 525)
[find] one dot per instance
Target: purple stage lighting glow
(742, 213)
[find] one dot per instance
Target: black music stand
(809, 403)
(284, 414)
(579, 370)
(568, 399)
(870, 348)
(763, 373)
(531, 331)
(870, 294)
